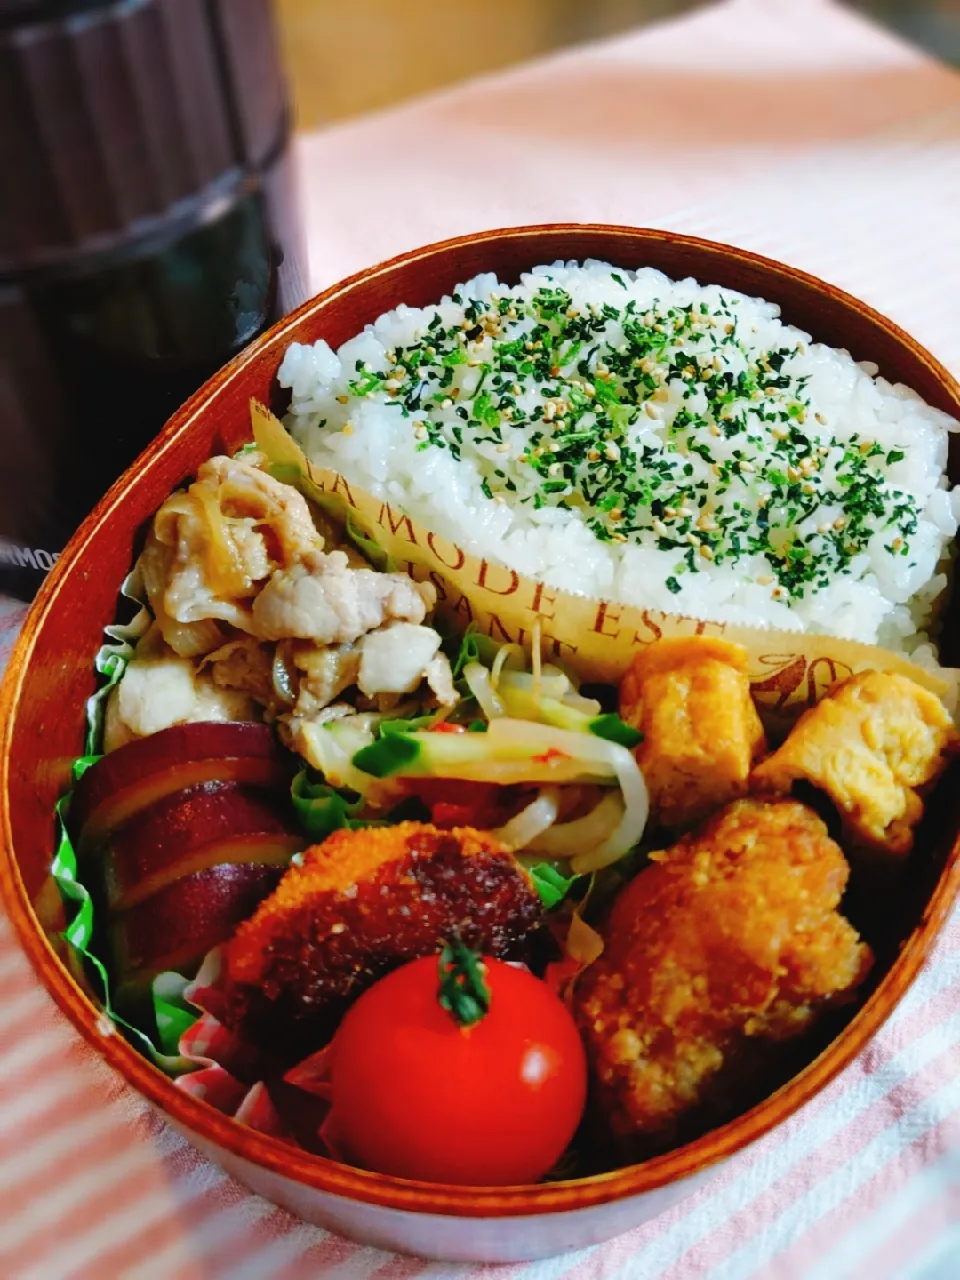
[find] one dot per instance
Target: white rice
(834, 437)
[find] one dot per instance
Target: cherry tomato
(418, 1095)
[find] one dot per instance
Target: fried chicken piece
(729, 939)
(362, 903)
(690, 698)
(870, 744)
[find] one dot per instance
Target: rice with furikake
(667, 445)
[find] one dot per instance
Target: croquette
(360, 904)
(730, 938)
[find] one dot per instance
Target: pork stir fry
(253, 616)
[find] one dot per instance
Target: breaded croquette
(731, 937)
(359, 905)
(690, 698)
(869, 744)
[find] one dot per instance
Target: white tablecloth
(786, 126)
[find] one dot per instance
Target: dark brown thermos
(147, 233)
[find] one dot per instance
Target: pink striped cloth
(786, 126)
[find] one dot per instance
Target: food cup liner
(241, 1080)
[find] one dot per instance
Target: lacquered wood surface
(50, 674)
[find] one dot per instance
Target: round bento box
(51, 675)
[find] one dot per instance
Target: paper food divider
(597, 639)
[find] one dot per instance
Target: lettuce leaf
(320, 809)
(550, 883)
(472, 646)
(368, 547)
(172, 1014)
(112, 659)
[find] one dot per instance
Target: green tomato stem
(462, 989)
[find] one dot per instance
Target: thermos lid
(121, 119)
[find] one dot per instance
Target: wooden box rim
(325, 1175)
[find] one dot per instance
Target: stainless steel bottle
(147, 234)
